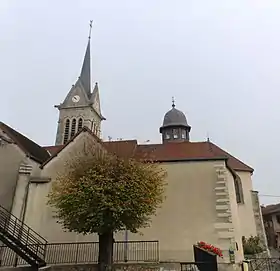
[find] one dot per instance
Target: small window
(73, 127)
(66, 131)
(183, 134)
(175, 133)
(167, 136)
(278, 218)
(238, 190)
(80, 124)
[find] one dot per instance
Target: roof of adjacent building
(271, 209)
(28, 146)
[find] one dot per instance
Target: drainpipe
(125, 244)
(24, 170)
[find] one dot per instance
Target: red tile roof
(53, 149)
(129, 148)
(124, 148)
(168, 152)
(233, 162)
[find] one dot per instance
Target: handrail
(17, 229)
(9, 215)
(28, 240)
(87, 252)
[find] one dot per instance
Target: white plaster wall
(235, 219)
(245, 210)
(39, 216)
(188, 214)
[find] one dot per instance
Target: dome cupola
(175, 127)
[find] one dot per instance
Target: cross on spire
(90, 28)
(173, 102)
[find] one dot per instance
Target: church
(209, 196)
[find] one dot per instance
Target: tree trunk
(105, 255)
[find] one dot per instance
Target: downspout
(24, 205)
(23, 214)
(125, 244)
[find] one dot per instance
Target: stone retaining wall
(121, 267)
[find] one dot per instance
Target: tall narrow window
(238, 190)
(175, 133)
(73, 127)
(167, 136)
(80, 124)
(66, 131)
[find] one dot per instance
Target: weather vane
(208, 137)
(90, 27)
(173, 102)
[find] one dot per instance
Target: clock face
(76, 98)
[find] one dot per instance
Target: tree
(102, 193)
(252, 245)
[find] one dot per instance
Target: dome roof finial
(173, 102)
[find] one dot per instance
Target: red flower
(210, 248)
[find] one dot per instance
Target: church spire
(85, 72)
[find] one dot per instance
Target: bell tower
(175, 127)
(81, 107)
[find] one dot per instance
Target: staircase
(25, 242)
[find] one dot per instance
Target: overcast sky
(220, 59)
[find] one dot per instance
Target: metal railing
(267, 264)
(87, 252)
(11, 225)
(195, 266)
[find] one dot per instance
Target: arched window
(175, 133)
(66, 131)
(238, 190)
(80, 124)
(73, 127)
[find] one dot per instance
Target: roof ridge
(30, 147)
(230, 155)
(125, 140)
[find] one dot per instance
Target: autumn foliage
(104, 192)
(99, 192)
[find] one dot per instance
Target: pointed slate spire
(95, 92)
(95, 100)
(85, 72)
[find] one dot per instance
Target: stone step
(223, 226)
(223, 215)
(222, 194)
(226, 235)
(222, 207)
(221, 178)
(219, 188)
(222, 200)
